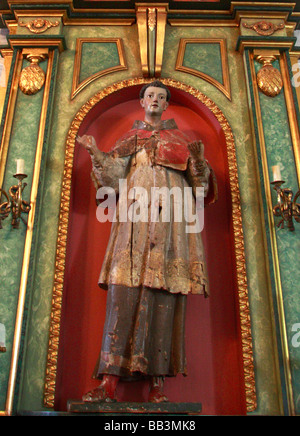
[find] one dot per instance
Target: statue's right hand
(88, 142)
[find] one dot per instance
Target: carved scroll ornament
(264, 28)
(39, 25)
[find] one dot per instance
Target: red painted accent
(170, 152)
(214, 353)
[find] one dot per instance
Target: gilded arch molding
(56, 308)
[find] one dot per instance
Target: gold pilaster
(265, 36)
(10, 114)
(34, 49)
(28, 241)
(256, 110)
(291, 111)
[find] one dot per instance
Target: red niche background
(213, 343)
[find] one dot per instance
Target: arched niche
(218, 333)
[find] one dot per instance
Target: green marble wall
(279, 150)
(22, 145)
(31, 383)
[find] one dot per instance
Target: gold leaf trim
(246, 338)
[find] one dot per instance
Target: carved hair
(156, 84)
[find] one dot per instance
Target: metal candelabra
(14, 203)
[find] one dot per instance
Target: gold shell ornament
(32, 78)
(269, 80)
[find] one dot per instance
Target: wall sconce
(15, 204)
(287, 207)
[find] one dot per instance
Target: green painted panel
(97, 56)
(205, 58)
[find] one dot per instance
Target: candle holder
(287, 207)
(14, 204)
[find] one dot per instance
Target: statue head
(156, 84)
(154, 99)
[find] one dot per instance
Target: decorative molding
(77, 86)
(259, 42)
(67, 21)
(245, 323)
(201, 22)
(124, 13)
(37, 41)
(264, 28)
(223, 87)
(38, 25)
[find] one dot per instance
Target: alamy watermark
(161, 204)
(296, 336)
(296, 76)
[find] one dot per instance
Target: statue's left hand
(197, 150)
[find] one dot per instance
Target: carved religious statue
(151, 264)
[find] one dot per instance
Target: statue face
(154, 101)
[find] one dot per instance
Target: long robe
(152, 261)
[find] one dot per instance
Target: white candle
(2, 335)
(276, 173)
(20, 166)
